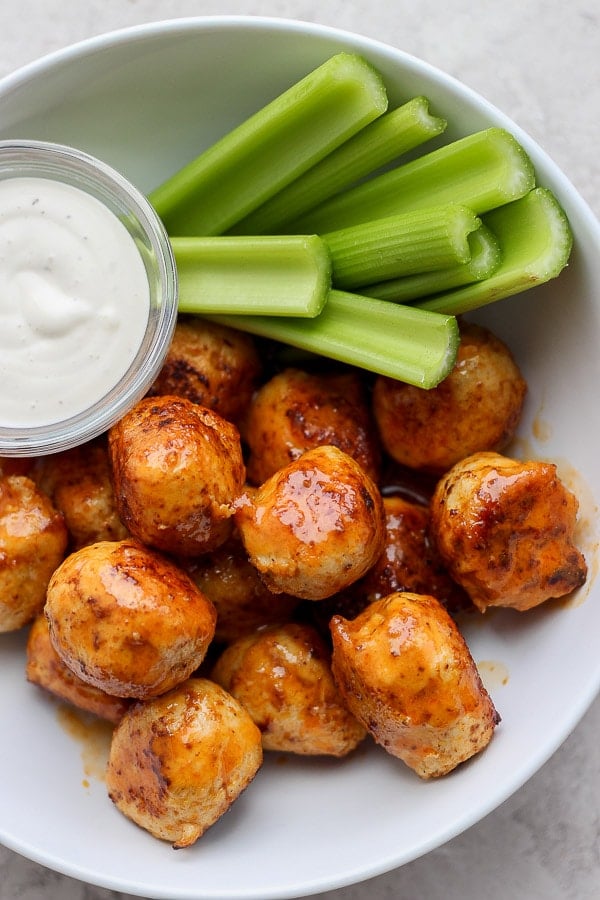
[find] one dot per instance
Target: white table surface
(539, 61)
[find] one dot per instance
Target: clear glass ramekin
(27, 158)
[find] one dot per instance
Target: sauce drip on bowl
(74, 300)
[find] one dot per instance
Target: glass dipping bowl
(41, 159)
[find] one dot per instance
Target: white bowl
(145, 100)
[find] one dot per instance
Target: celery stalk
(485, 259)
(411, 345)
(536, 241)
(482, 171)
(379, 143)
(268, 150)
(417, 241)
(284, 276)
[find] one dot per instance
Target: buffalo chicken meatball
(127, 620)
(212, 365)
(476, 407)
(79, 484)
(45, 668)
(505, 530)
(177, 469)
(282, 676)
(178, 762)
(406, 673)
(33, 542)
(408, 562)
(315, 526)
(297, 410)
(242, 601)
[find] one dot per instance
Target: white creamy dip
(74, 301)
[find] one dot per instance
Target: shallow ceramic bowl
(145, 101)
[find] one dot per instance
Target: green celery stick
(411, 345)
(485, 259)
(536, 241)
(376, 145)
(268, 150)
(417, 241)
(263, 275)
(483, 170)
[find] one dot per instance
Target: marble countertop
(538, 61)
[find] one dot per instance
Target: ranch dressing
(74, 301)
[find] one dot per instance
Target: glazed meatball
(282, 676)
(297, 410)
(505, 530)
(212, 365)
(242, 601)
(78, 481)
(45, 668)
(409, 562)
(177, 469)
(178, 762)
(127, 620)
(406, 673)
(16, 465)
(33, 542)
(476, 407)
(315, 526)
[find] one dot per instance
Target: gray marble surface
(539, 61)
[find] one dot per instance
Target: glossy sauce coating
(242, 601)
(127, 620)
(408, 562)
(298, 410)
(505, 529)
(78, 481)
(281, 674)
(177, 469)
(33, 542)
(315, 526)
(178, 762)
(406, 673)
(45, 668)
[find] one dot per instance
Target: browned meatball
(79, 484)
(409, 562)
(178, 762)
(177, 470)
(406, 673)
(242, 601)
(212, 365)
(127, 620)
(16, 465)
(505, 530)
(476, 407)
(282, 676)
(315, 526)
(33, 542)
(45, 668)
(296, 411)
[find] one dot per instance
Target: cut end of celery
(401, 342)
(484, 260)
(259, 276)
(418, 241)
(536, 241)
